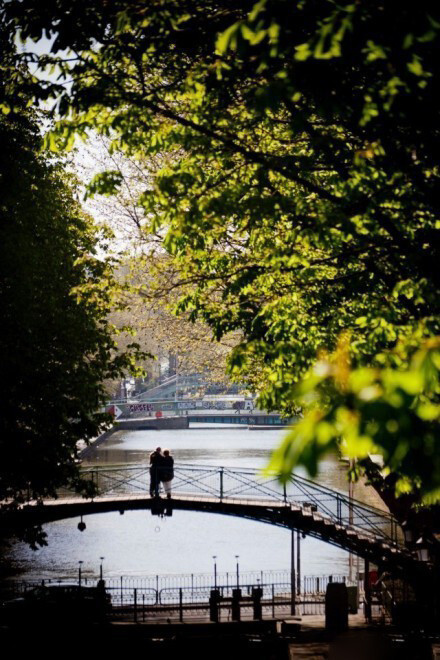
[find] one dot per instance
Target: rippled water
(137, 543)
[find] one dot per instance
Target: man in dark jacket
(156, 459)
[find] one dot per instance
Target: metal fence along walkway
(301, 504)
(140, 599)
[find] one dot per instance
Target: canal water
(138, 544)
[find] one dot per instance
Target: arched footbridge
(301, 504)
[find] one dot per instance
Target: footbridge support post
(367, 591)
(292, 575)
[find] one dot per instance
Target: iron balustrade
(250, 485)
(187, 581)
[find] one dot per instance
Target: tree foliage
(56, 291)
(300, 193)
(150, 283)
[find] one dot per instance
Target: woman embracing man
(161, 471)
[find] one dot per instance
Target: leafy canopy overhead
(300, 196)
(56, 344)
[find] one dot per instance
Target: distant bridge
(258, 419)
(301, 504)
(208, 412)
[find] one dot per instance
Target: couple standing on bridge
(161, 470)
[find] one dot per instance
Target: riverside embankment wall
(144, 424)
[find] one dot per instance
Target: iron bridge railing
(250, 485)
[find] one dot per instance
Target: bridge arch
(301, 504)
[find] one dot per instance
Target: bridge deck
(188, 497)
